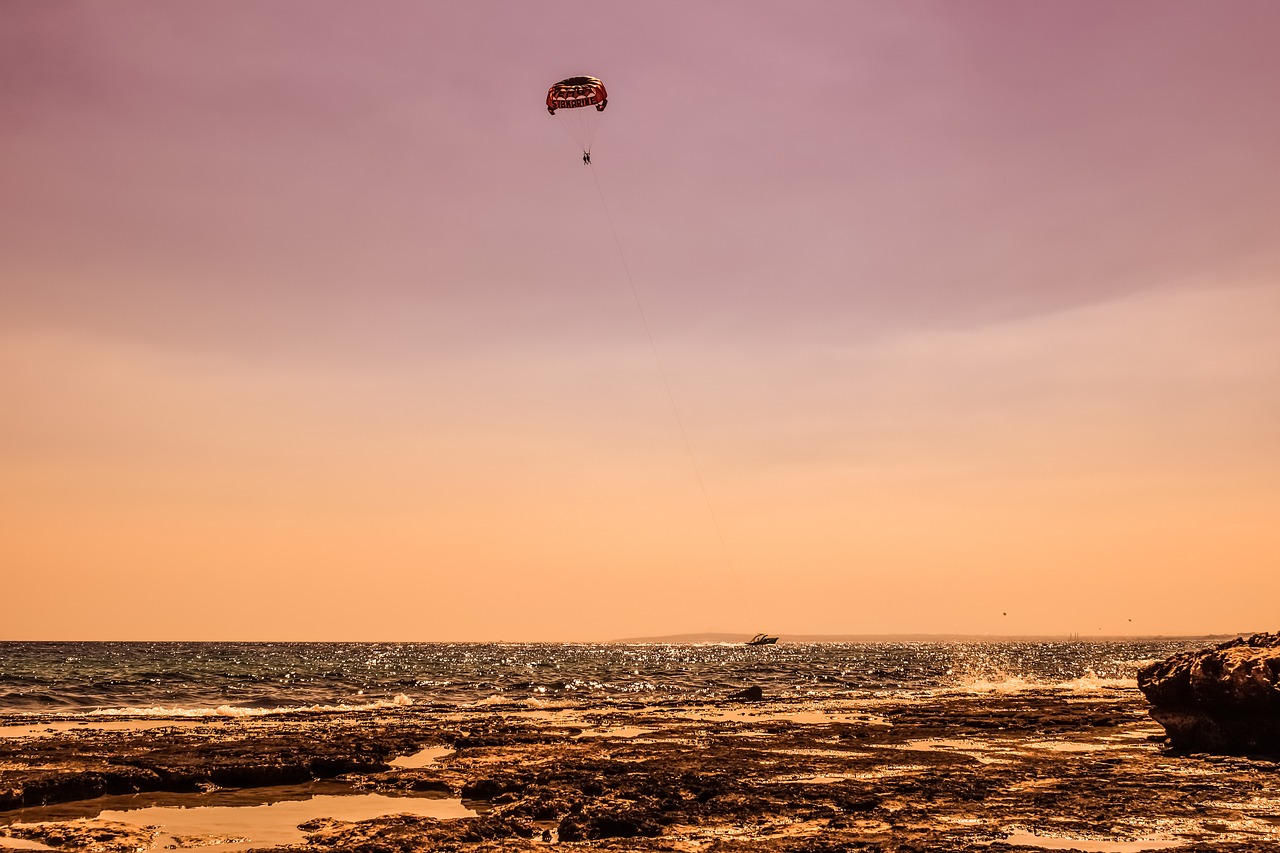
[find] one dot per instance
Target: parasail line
(657, 360)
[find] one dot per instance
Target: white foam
(1087, 683)
(1010, 684)
(1090, 682)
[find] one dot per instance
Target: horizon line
(712, 637)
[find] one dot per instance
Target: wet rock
(542, 803)
(98, 837)
(596, 824)
(1225, 699)
(490, 788)
(405, 833)
(500, 733)
(849, 797)
(422, 782)
(80, 764)
(72, 782)
(750, 694)
(434, 786)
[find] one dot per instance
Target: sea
(247, 679)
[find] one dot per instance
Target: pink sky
(312, 325)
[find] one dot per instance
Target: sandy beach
(1026, 770)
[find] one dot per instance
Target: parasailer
(575, 95)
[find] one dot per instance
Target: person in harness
(586, 158)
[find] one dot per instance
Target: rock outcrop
(961, 772)
(1223, 700)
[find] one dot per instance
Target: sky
(867, 317)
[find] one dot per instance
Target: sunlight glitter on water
(259, 679)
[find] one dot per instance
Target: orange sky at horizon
(295, 344)
(241, 486)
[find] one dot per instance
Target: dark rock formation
(595, 824)
(1224, 700)
(80, 764)
(750, 694)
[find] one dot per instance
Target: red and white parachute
(575, 95)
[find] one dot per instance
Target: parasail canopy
(574, 92)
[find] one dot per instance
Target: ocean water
(254, 678)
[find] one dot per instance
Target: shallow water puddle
(428, 757)
(1067, 746)
(277, 823)
(241, 819)
(1056, 842)
(47, 729)
(976, 749)
(23, 844)
(820, 753)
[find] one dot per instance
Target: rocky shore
(1024, 771)
(1224, 699)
